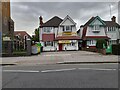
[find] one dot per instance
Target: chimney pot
(113, 19)
(41, 20)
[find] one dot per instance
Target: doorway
(60, 47)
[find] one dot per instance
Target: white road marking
(27, 71)
(96, 69)
(58, 55)
(57, 70)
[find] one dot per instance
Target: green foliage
(36, 36)
(100, 42)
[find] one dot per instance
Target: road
(61, 76)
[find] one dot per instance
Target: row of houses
(59, 34)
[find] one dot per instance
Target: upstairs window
(67, 28)
(96, 27)
(111, 29)
(47, 29)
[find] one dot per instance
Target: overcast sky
(26, 14)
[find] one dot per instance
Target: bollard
(29, 51)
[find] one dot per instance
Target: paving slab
(61, 57)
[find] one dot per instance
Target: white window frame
(67, 28)
(47, 29)
(96, 27)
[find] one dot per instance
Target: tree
(36, 36)
(100, 42)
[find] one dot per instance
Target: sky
(26, 14)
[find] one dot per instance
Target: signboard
(64, 41)
(67, 33)
(6, 39)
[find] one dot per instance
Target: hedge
(116, 49)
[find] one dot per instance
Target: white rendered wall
(91, 33)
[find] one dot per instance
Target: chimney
(113, 19)
(41, 20)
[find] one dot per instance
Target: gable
(67, 21)
(97, 21)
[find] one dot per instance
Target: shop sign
(6, 39)
(64, 41)
(67, 33)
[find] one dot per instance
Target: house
(59, 34)
(20, 40)
(92, 30)
(96, 28)
(113, 31)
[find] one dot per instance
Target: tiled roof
(67, 38)
(54, 22)
(111, 24)
(21, 34)
(89, 21)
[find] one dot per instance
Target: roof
(84, 32)
(67, 38)
(89, 21)
(97, 37)
(67, 17)
(78, 31)
(53, 22)
(111, 24)
(92, 19)
(21, 34)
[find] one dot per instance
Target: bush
(116, 49)
(100, 42)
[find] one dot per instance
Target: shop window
(48, 43)
(71, 44)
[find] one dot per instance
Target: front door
(60, 47)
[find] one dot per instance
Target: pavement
(64, 57)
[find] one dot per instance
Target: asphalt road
(61, 76)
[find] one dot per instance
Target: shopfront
(67, 45)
